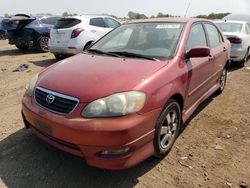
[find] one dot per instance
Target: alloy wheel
(168, 129)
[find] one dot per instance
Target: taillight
(76, 32)
(235, 40)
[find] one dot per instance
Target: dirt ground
(212, 151)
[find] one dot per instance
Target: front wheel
(43, 44)
(222, 81)
(167, 128)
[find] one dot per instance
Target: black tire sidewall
(39, 44)
(221, 90)
(159, 151)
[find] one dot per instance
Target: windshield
(151, 40)
(230, 27)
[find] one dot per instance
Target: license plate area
(43, 127)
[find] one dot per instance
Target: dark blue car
(29, 32)
(2, 29)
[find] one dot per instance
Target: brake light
(235, 40)
(76, 32)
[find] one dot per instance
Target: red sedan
(126, 98)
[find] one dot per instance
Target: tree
(135, 15)
(161, 15)
(65, 14)
(213, 16)
(6, 15)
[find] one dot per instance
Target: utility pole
(187, 9)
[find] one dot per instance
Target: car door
(97, 27)
(199, 69)
(218, 52)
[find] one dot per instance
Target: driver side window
(196, 37)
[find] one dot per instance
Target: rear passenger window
(98, 22)
(213, 35)
(111, 23)
(196, 37)
(50, 20)
(66, 23)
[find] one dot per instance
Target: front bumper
(88, 137)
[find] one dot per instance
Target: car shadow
(12, 52)
(44, 63)
(25, 161)
(199, 109)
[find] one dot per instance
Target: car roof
(84, 16)
(238, 17)
(230, 21)
(170, 19)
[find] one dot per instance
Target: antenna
(187, 9)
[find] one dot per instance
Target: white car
(238, 33)
(72, 35)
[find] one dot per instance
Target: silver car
(238, 33)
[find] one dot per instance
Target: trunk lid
(61, 33)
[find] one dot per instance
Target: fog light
(115, 153)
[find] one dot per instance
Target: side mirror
(198, 52)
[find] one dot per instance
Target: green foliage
(6, 15)
(213, 16)
(134, 15)
(161, 15)
(65, 14)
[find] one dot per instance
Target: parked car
(238, 17)
(128, 96)
(72, 35)
(30, 32)
(2, 30)
(238, 33)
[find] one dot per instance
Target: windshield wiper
(130, 54)
(101, 52)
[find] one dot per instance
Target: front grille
(55, 102)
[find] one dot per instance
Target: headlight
(31, 86)
(116, 105)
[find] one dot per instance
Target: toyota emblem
(50, 98)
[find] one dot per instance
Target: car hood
(89, 77)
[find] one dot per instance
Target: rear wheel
(43, 44)
(86, 47)
(243, 61)
(167, 128)
(59, 57)
(222, 81)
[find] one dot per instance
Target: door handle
(93, 31)
(210, 58)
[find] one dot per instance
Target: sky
(121, 8)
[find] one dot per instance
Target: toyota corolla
(127, 97)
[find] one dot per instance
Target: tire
(22, 47)
(222, 81)
(43, 44)
(59, 57)
(86, 47)
(167, 128)
(243, 61)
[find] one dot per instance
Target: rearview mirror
(198, 52)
